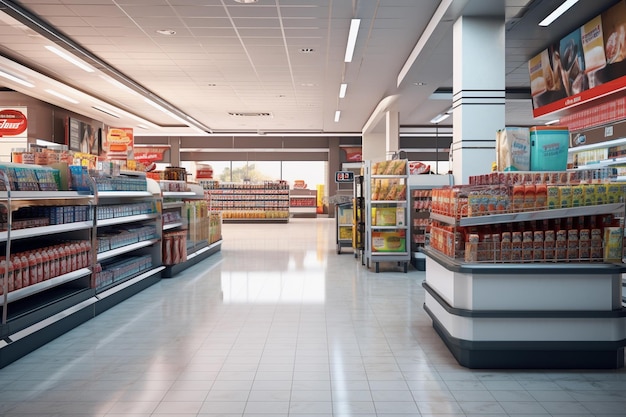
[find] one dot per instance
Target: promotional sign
(586, 64)
(13, 122)
(118, 143)
(148, 155)
(344, 176)
(13, 131)
(353, 154)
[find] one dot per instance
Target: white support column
(174, 142)
(478, 94)
(392, 132)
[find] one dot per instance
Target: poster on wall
(13, 130)
(83, 137)
(118, 144)
(586, 64)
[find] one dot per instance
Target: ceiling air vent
(250, 114)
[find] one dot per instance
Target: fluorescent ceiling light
(62, 96)
(354, 31)
(342, 90)
(142, 127)
(16, 79)
(552, 122)
(439, 118)
(337, 115)
(105, 111)
(70, 58)
(565, 6)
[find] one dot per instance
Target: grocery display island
(527, 315)
(529, 283)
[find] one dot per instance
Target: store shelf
(44, 285)
(124, 194)
(180, 194)
(125, 249)
(172, 225)
(531, 215)
(167, 205)
(397, 202)
(126, 219)
(256, 220)
(46, 195)
(390, 227)
(303, 209)
(45, 230)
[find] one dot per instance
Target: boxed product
(548, 148)
(513, 149)
(389, 241)
(612, 244)
(385, 216)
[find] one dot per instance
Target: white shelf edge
(390, 254)
(179, 194)
(172, 204)
(126, 219)
(388, 201)
(44, 285)
(116, 194)
(172, 225)
(390, 227)
(46, 230)
(45, 195)
(125, 249)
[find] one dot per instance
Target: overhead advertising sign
(119, 143)
(13, 122)
(588, 63)
(148, 155)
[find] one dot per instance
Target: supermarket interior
(251, 208)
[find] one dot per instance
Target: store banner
(13, 131)
(595, 115)
(148, 155)
(353, 154)
(118, 144)
(588, 63)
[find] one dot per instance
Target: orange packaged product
(529, 197)
(541, 196)
(518, 198)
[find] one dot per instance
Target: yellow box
(389, 241)
(565, 196)
(601, 195)
(613, 193)
(553, 197)
(577, 196)
(385, 216)
(589, 194)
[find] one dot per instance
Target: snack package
(513, 149)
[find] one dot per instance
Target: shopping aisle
(277, 325)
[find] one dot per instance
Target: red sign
(597, 115)
(353, 154)
(12, 122)
(149, 155)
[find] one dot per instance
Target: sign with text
(344, 176)
(588, 63)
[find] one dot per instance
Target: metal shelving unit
(386, 241)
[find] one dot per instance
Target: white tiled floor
(277, 325)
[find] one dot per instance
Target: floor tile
(277, 324)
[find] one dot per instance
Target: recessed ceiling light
(246, 1)
(420, 84)
(307, 50)
(307, 85)
(166, 32)
(212, 85)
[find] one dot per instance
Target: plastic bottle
(39, 266)
(17, 272)
(25, 271)
(9, 276)
(51, 261)
(73, 252)
(32, 265)
(62, 260)
(45, 262)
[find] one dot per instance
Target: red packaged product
(17, 272)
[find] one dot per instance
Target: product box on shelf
(389, 241)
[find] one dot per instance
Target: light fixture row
(350, 46)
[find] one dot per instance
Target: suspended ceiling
(272, 67)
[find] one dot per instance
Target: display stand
(303, 203)
(386, 214)
(420, 187)
(203, 230)
(145, 252)
(343, 226)
(34, 313)
(251, 203)
(358, 223)
(528, 315)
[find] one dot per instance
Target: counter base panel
(32, 338)
(531, 354)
